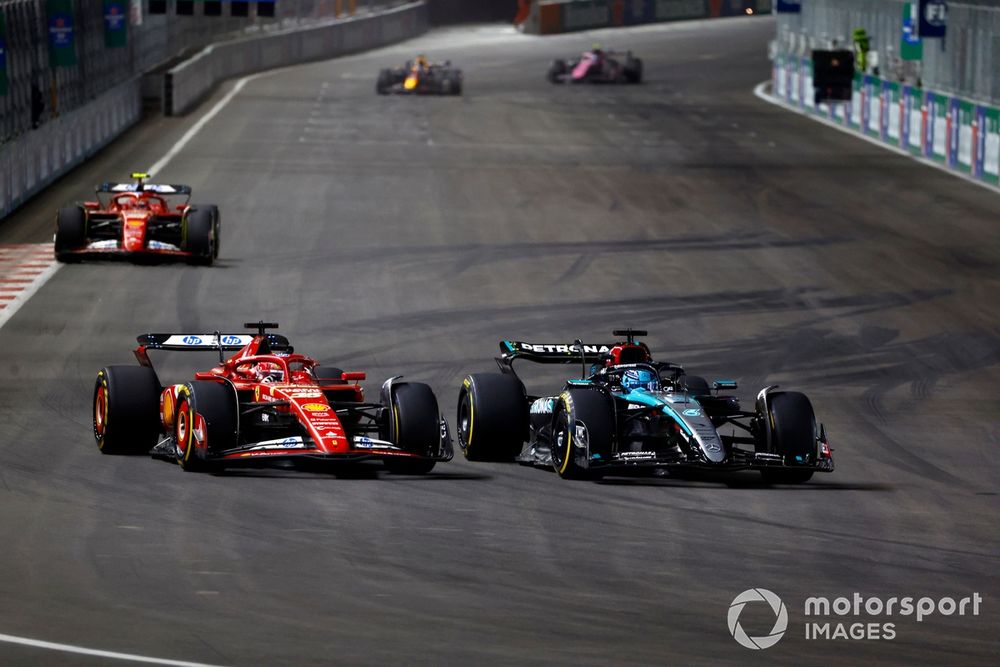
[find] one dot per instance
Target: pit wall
(961, 134)
(547, 17)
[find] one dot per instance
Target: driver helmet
(640, 378)
(268, 372)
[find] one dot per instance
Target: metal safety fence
(58, 55)
(966, 62)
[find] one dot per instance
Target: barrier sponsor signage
(933, 18)
(62, 38)
(912, 132)
(671, 10)
(936, 130)
(854, 109)
(960, 135)
(892, 112)
(582, 15)
(987, 144)
(871, 106)
(115, 24)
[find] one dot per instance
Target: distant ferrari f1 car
(629, 412)
(139, 220)
(262, 404)
(597, 66)
(420, 77)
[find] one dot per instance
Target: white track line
(196, 128)
(80, 650)
(767, 97)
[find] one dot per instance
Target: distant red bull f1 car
(420, 77)
(139, 220)
(263, 404)
(597, 66)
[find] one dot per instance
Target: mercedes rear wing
(553, 353)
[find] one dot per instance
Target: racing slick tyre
(199, 236)
(71, 233)
(595, 410)
(492, 417)
(695, 385)
(556, 71)
(633, 70)
(793, 435)
(216, 225)
(414, 427)
(213, 402)
(126, 409)
(384, 82)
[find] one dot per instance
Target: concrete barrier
(190, 81)
(37, 158)
(546, 17)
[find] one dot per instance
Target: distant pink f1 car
(597, 66)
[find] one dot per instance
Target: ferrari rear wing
(553, 353)
(163, 189)
(185, 342)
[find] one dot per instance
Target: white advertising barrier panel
(190, 81)
(38, 157)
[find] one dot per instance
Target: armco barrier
(958, 133)
(191, 80)
(38, 157)
(556, 16)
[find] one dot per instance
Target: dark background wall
(442, 12)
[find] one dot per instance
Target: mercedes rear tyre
(71, 233)
(126, 409)
(583, 422)
(414, 427)
(204, 424)
(492, 417)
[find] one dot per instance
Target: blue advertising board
(933, 18)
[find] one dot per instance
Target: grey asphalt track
(407, 235)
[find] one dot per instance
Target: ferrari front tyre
(492, 417)
(793, 435)
(205, 423)
(71, 233)
(581, 412)
(199, 236)
(216, 225)
(414, 427)
(126, 409)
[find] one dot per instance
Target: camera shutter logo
(780, 621)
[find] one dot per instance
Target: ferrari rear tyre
(594, 410)
(414, 427)
(206, 421)
(126, 409)
(492, 417)
(199, 236)
(71, 233)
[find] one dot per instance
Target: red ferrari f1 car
(139, 220)
(264, 403)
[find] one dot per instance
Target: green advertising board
(910, 46)
(60, 19)
(115, 24)
(990, 128)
